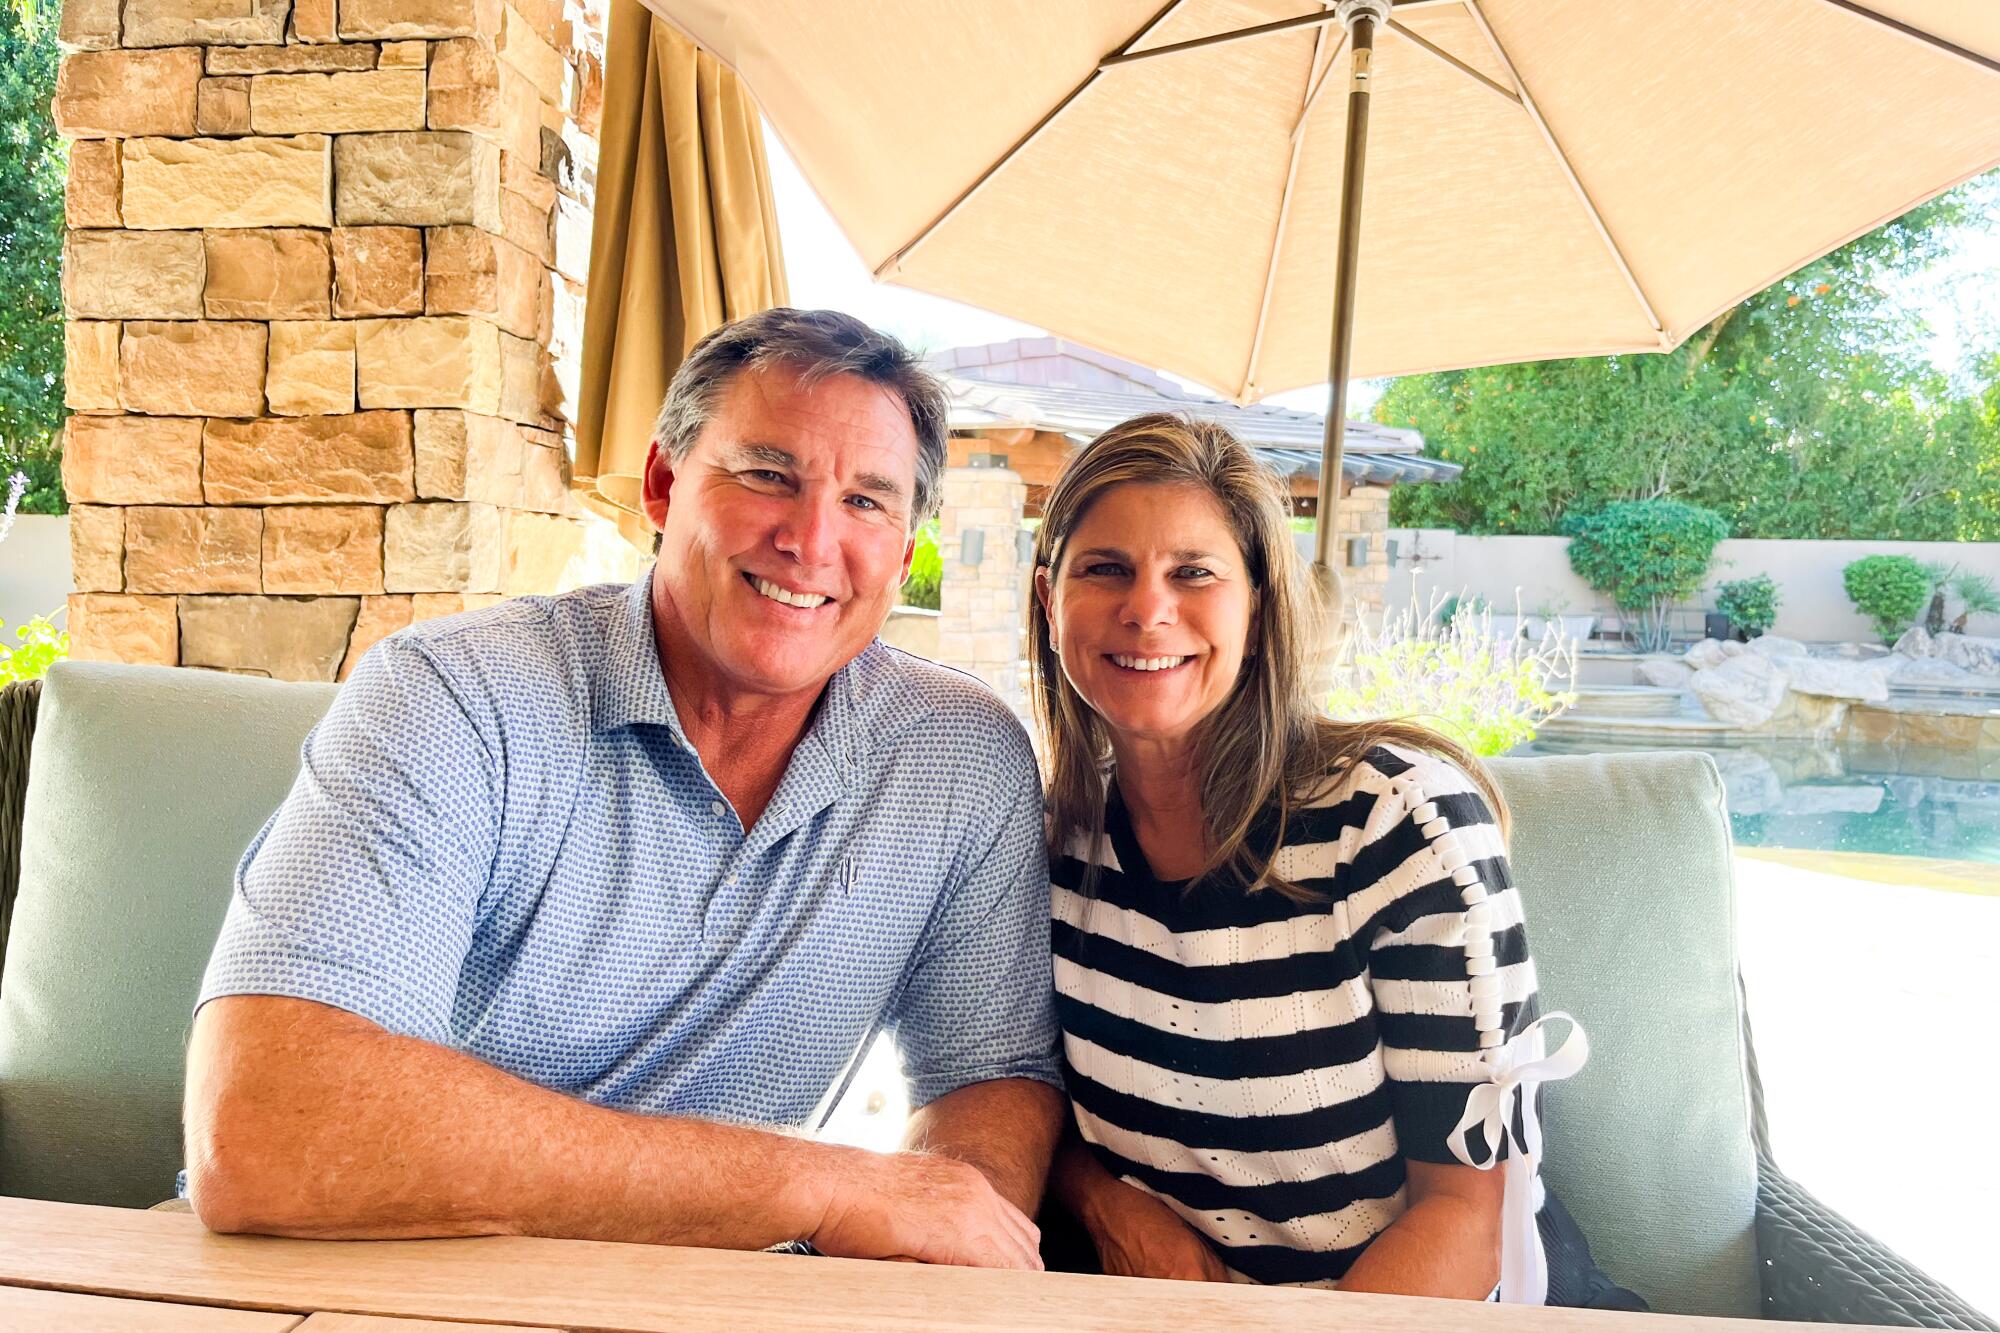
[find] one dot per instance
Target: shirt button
(715, 808)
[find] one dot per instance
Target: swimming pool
(1842, 798)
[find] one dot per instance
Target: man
(580, 902)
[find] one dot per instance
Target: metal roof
(1287, 439)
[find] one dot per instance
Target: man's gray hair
(815, 344)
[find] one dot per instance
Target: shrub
(926, 570)
(42, 645)
(1645, 555)
(1976, 597)
(1890, 590)
(1452, 675)
(1751, 604)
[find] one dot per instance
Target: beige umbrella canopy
(1545, 178)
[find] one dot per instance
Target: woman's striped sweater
(1266, 1066)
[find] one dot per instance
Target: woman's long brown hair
(1269, 746)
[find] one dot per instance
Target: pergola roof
(986, 395)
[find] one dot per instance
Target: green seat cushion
(1623, 863)
(145, 786)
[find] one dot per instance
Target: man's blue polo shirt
(501, 841)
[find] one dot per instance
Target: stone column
(1364, 513)
(324, 277)
(981, 612)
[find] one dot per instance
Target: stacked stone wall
(324, 283)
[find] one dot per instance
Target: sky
(1959, 298)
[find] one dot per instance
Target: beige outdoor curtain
(685, 238)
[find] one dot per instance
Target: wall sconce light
(1357, 552)
(972, 546)
(1391, 546)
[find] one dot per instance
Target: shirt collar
(867, 700)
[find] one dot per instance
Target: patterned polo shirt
(502, 841)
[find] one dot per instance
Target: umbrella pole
(1361, 17)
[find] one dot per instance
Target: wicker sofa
(128, 793)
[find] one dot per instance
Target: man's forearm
(1007, 1127)
(308, 1121)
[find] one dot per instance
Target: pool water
(1839, 799)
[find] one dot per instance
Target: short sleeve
(979, 1001)
(363, 890)
(1448, 955)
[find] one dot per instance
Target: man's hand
(926, 1207)
(1138, 1236)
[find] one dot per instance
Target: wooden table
(77, 1269)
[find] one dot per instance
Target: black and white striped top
(1265, 1066)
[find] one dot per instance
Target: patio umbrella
(1544, 178)
(684, 237)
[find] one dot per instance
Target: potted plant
(1750, 605)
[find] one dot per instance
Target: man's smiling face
(785, 531)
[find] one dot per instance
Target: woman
(1287, 948)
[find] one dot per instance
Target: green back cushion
(1624, 867)
(147, 783)
(145, 786)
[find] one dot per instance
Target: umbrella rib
(1917, 34)
(1425, 44)
(1569, 173)
(895, 260)
(1312, 98)
(1313, 86)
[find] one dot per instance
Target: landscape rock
(1979, 656)
(1776, 645)
(1934, 672)
(132, 275)
(280, 273)
(363, 457)
(1867, 682)
(1665, 673)
(283, 638)
(175, 550)
(1915, 641)
(1744, 691)
(1706, 654)
(192, 368)
(256, 182)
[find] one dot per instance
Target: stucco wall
(1812, 604)
(34, 570)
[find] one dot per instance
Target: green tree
(1806, 410)
(33, 161)
(1645, 555)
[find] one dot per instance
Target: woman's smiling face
(1151, 609)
